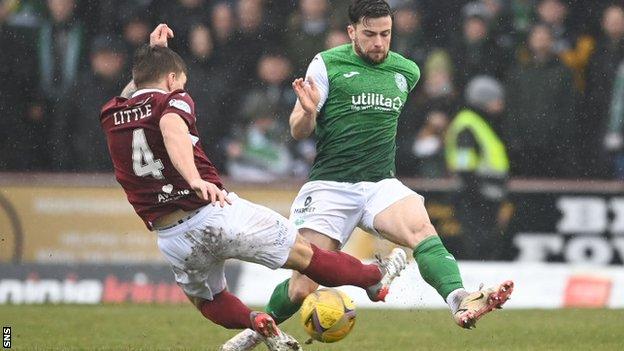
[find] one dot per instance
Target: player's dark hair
(152, 63)
(360, 10)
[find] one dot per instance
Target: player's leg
(194, 250)
(406, 222)
(265, 237)
(289, 294)
(228, 311)
(329, 210)
(325, 214)
(336, 268)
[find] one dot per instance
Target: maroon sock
(228, 311)
(335, 268)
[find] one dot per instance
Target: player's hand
(308, 94)
(208, 191)
(160, 35)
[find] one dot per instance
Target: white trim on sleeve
(318, 71)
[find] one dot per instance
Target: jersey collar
(144, 91)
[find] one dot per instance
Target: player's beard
(366, 57)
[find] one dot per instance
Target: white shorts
(197, 248)
(336, 208)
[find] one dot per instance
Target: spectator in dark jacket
(60, 48)
(252, 37)
(135, 31)
(601, 74)
(540, 125)
(259, 149)
(573, 46)
(408, 37)
(79, 142)
(208, 80)
(183, 15)
(306, 32)
(613, 141)
(423, 121)
(475, 53)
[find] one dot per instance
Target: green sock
(280, 307)
(437, 266)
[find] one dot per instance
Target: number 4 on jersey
(142, 157)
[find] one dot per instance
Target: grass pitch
(151, 327)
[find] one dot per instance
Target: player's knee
(298, 291)
(420, 232)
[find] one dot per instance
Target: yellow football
(328, 315)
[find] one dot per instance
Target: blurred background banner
(36, 283)
(75, 239)
(72, 225)
(86, 219)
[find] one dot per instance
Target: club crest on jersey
(180, 105)
(401, 82)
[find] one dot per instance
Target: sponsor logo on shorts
(306, 206)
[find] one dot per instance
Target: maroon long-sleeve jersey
(142, 165)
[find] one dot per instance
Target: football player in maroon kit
(176, 190)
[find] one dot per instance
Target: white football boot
(479, 303)
(265, 330)
(390, 267)
(246, 340)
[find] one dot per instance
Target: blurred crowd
(561, 63)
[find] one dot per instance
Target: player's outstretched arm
(159, 37)
(180, 149)
(303, 117)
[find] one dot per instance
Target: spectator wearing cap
(476, 153)
(541, 125)
(76, 135)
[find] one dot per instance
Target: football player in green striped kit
(351, 100)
